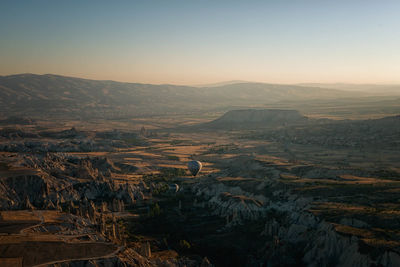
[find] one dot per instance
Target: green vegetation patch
(172, 157)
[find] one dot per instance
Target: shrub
(154, 210)
(184, 244)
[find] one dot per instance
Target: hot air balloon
(174, 187)
(194, 167)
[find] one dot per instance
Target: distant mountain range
(380, 89)
(54, 95)
(221, 83)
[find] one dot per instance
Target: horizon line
(209, 84)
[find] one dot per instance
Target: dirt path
(40, 217)
(118, 250)
(42, 220)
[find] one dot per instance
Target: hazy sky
(197, 42)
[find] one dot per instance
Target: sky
(201, 42)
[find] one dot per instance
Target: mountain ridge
(52, 94)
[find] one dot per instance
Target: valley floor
(104, 198)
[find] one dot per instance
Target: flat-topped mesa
(256, 118)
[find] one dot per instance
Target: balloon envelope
(194, 167)
(174, 187)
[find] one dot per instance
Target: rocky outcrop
(290, 228)
(236, 208)
(53, 183)
(232, 203)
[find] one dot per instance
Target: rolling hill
(54, 95)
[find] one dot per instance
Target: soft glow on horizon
(200, 42)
